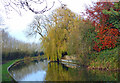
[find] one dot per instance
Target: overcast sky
(18, 24)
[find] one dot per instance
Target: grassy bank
(5, 75)
(103, 60)
(107, 59)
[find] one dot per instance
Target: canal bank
(58, 71)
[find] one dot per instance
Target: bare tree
(38, 26)
(17, 5)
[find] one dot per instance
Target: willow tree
(55, 42)
(80, 40)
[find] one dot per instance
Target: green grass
(5, 75)
(0, 72)
(105, 59)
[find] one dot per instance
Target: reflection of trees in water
(98, 75)
(59, 72)
(79, 74)
(56, 72)
(21, 71)
(83, 74)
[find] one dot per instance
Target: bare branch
(17, 5)
(38, 26)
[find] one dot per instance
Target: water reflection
(53, 71)
(31, 71)
(34, 76)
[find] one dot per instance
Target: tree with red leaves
(106, 35)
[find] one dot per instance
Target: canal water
(54, 71)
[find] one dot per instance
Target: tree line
(14, 49)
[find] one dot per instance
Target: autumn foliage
(107, 33)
